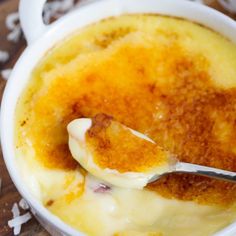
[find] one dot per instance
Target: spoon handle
(183, 167)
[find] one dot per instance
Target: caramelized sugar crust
(153, 83)
(115, 147)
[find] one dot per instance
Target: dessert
(170, 79)
(116, 154)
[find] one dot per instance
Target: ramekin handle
(31, 19)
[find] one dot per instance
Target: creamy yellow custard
(168, 78)
(115, 153)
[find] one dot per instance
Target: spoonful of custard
(124, 157)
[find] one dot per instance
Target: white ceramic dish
(41, 38)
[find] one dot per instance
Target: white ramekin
(41, 38)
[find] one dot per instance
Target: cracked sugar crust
(173, 81)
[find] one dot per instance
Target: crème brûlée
(116, 154)
(170, 79)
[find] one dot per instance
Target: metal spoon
(77, 130)
(182, 167)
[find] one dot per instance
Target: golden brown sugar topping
(115, 147)
(180, 91)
